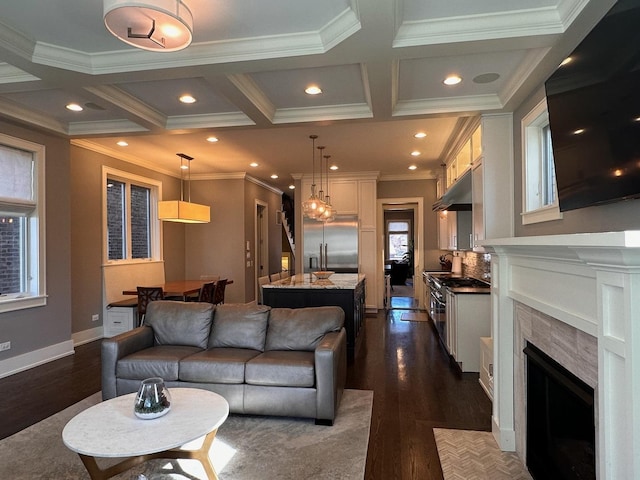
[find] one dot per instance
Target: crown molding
(316, 114)
(404, 177)
(129, 103)
(11, 74)
(490, 26)
(12, 110)
(229, 119)
(525, 69)
(104, 127)
(448, 105)
(341, 27)
(254, 94)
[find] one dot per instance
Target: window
(398, 239)
(22, 259)
(539, 191)
(132, 229)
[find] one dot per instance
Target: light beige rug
(470, 455)
(246, 448)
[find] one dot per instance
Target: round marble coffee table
(110, 429)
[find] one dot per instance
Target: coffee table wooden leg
(201, 454)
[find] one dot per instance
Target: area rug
(246, 448)
(414, 317)
(471, 455)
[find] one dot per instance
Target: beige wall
(86, 232)
(39, 328)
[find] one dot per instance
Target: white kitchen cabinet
(468, 319)
(486, 365)
(492, 198)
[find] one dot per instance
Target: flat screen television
(594, 113)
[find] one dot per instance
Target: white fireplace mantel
(590, 281)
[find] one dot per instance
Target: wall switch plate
(95, 317)
(5, 346)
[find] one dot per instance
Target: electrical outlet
(95, 317)
(5, 346)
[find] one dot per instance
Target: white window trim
(36, 226)
(535, 119)
(155, 229)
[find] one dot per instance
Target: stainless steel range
(438, 283)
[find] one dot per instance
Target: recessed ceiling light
(565, 61)
(415, 153)
(212, 139)
(333, 167)
(122, 143)
(292, 187)
(452, 80)
(579, 131)
(74, 107)
(420, 135)
(486, 78)
(637, 119)
(412, 167)
(253, 164)
(187, 99)
(274, 176)
(313, 90)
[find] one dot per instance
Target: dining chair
(218, 291)
(146, 295)
(284, 275)
(206, 292)
(274, 276)
(261, 281)
(195, 297)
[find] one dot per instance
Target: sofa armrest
(331, 374)
(115, 348)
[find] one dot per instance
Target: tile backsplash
(477, 265)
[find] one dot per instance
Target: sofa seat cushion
(281, 368)
(160, 361)
(239, 326)
(302, 328)
(180, 323)
(216, 365)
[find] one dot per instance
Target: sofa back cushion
(301, 328)
(180, 323)
(239, 326)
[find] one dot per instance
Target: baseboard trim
(86, 336)
(23, 362)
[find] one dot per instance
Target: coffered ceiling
(380, 65)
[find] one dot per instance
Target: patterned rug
(246, 447)
(470, 455)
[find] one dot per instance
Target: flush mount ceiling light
(154, 25)
(180, 210)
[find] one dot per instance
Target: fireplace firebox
(560, 421)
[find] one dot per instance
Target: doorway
(400, 221)
(261, 243)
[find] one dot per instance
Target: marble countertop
(340, 281)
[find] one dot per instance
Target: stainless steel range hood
(457, 197)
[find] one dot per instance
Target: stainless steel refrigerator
(335, 244)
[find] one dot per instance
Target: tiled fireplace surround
(577, 298)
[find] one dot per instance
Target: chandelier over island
(318, 205)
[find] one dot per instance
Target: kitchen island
(345, 290)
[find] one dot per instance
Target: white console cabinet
(119, 320)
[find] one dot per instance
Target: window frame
(532, 134)
(34, 243)
(155, 227)
(389, 233)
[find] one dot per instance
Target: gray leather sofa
(262, 360)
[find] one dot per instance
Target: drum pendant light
(180, 210)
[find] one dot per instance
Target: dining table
(176, 288)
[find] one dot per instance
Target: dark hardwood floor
(415, 389)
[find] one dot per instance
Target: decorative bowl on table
(323, 275)
(152, 400)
